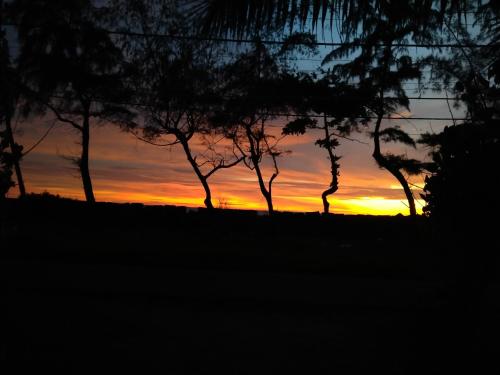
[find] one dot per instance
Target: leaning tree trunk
(267, 194)
(334, 184)
(84, 159)
(255, 161)
(384, 163)
(203, 179)
(324, 196)
(16, 153)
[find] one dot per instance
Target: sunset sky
(125, 169)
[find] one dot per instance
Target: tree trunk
(84, 160)
(203, 179)
(267, 195)
(326, 193)
(16, 154)
(384, 163)
(255, 161)
(269, 201)
(334, 185)
(399, 176)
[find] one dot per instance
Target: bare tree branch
(40, 140)
(62, 119)
(154, 143)
(349, 138)
(222, 165)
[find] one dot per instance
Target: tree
(5, 166)
(461, 190)
(333, 99)
(179, 101)
(72, 67)
(255, 86)
(464, 154)
(176, 87)
(9, 97)
(464, 172)
(380, 68)
(371, 26)
(488, 16)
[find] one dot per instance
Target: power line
(271, 114)
(317, 98)
(289, 114)
(279, 42)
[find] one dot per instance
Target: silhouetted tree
(373, 25)
(9, 95)
(341, 114)
(254, 143)
(488, 16)
(5, 166)
(464, 172)
(177, 107)
(463, 154)
(461, 191)
(255, 87)
(380, 68)
(176, 86)
(72, 67)
(328, 142)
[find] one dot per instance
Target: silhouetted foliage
(488, 15)
(246, 17)
(381, 70)
(180, 91)
(183, 284)
(256, 87)
(5, 166)
(464, 173)
(463, 168)
(72, 67)
(334, 100)
(10, 93)
(76, 68)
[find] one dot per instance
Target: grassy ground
(235, 292)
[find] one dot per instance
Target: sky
(125, 169)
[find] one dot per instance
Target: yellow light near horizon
(379, 206)
(350, 206)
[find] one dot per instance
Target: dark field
(156, 288)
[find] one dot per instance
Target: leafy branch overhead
(246, 17)
(410, 166)
(299, 126)
(396, 134)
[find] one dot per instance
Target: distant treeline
(170, 72)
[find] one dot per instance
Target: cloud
(125, 169)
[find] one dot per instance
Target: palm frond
(249, 17)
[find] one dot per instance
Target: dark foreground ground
(155, 288)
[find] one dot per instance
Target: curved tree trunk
(267, 194)
(203, 179)
(16, 153)
(84, 159)
(384, 163)
(324, 197)
(255, 161)
(334, 185)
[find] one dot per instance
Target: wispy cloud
(125, 169)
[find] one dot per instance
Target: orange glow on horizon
(350, 206)
(124, 170)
